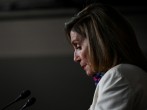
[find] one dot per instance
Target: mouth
(84, 66)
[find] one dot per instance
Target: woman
(105, 46)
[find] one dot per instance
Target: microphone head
(24, 94)
(30, 102)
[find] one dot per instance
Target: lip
(84, 66)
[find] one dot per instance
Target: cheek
(86, 57)
(87, 60)
(85, 52)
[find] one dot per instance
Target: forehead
(75, 36)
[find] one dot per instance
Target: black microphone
(24, 94)
(30, 102)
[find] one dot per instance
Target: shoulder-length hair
(111, 38)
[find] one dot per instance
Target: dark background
(35, 55)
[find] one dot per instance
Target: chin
(89, 73)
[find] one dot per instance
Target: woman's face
(81, 53)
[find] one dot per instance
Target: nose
(76, 57)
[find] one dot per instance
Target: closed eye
(77, 46)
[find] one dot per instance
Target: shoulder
(123, 70)
(123, 73)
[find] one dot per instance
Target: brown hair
(111, 38)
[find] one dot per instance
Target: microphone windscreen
(25, 94)
(30, 102)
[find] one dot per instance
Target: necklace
(97, 77)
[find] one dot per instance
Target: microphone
(24, 94)
(30, 102)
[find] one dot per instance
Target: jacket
(123, 87)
